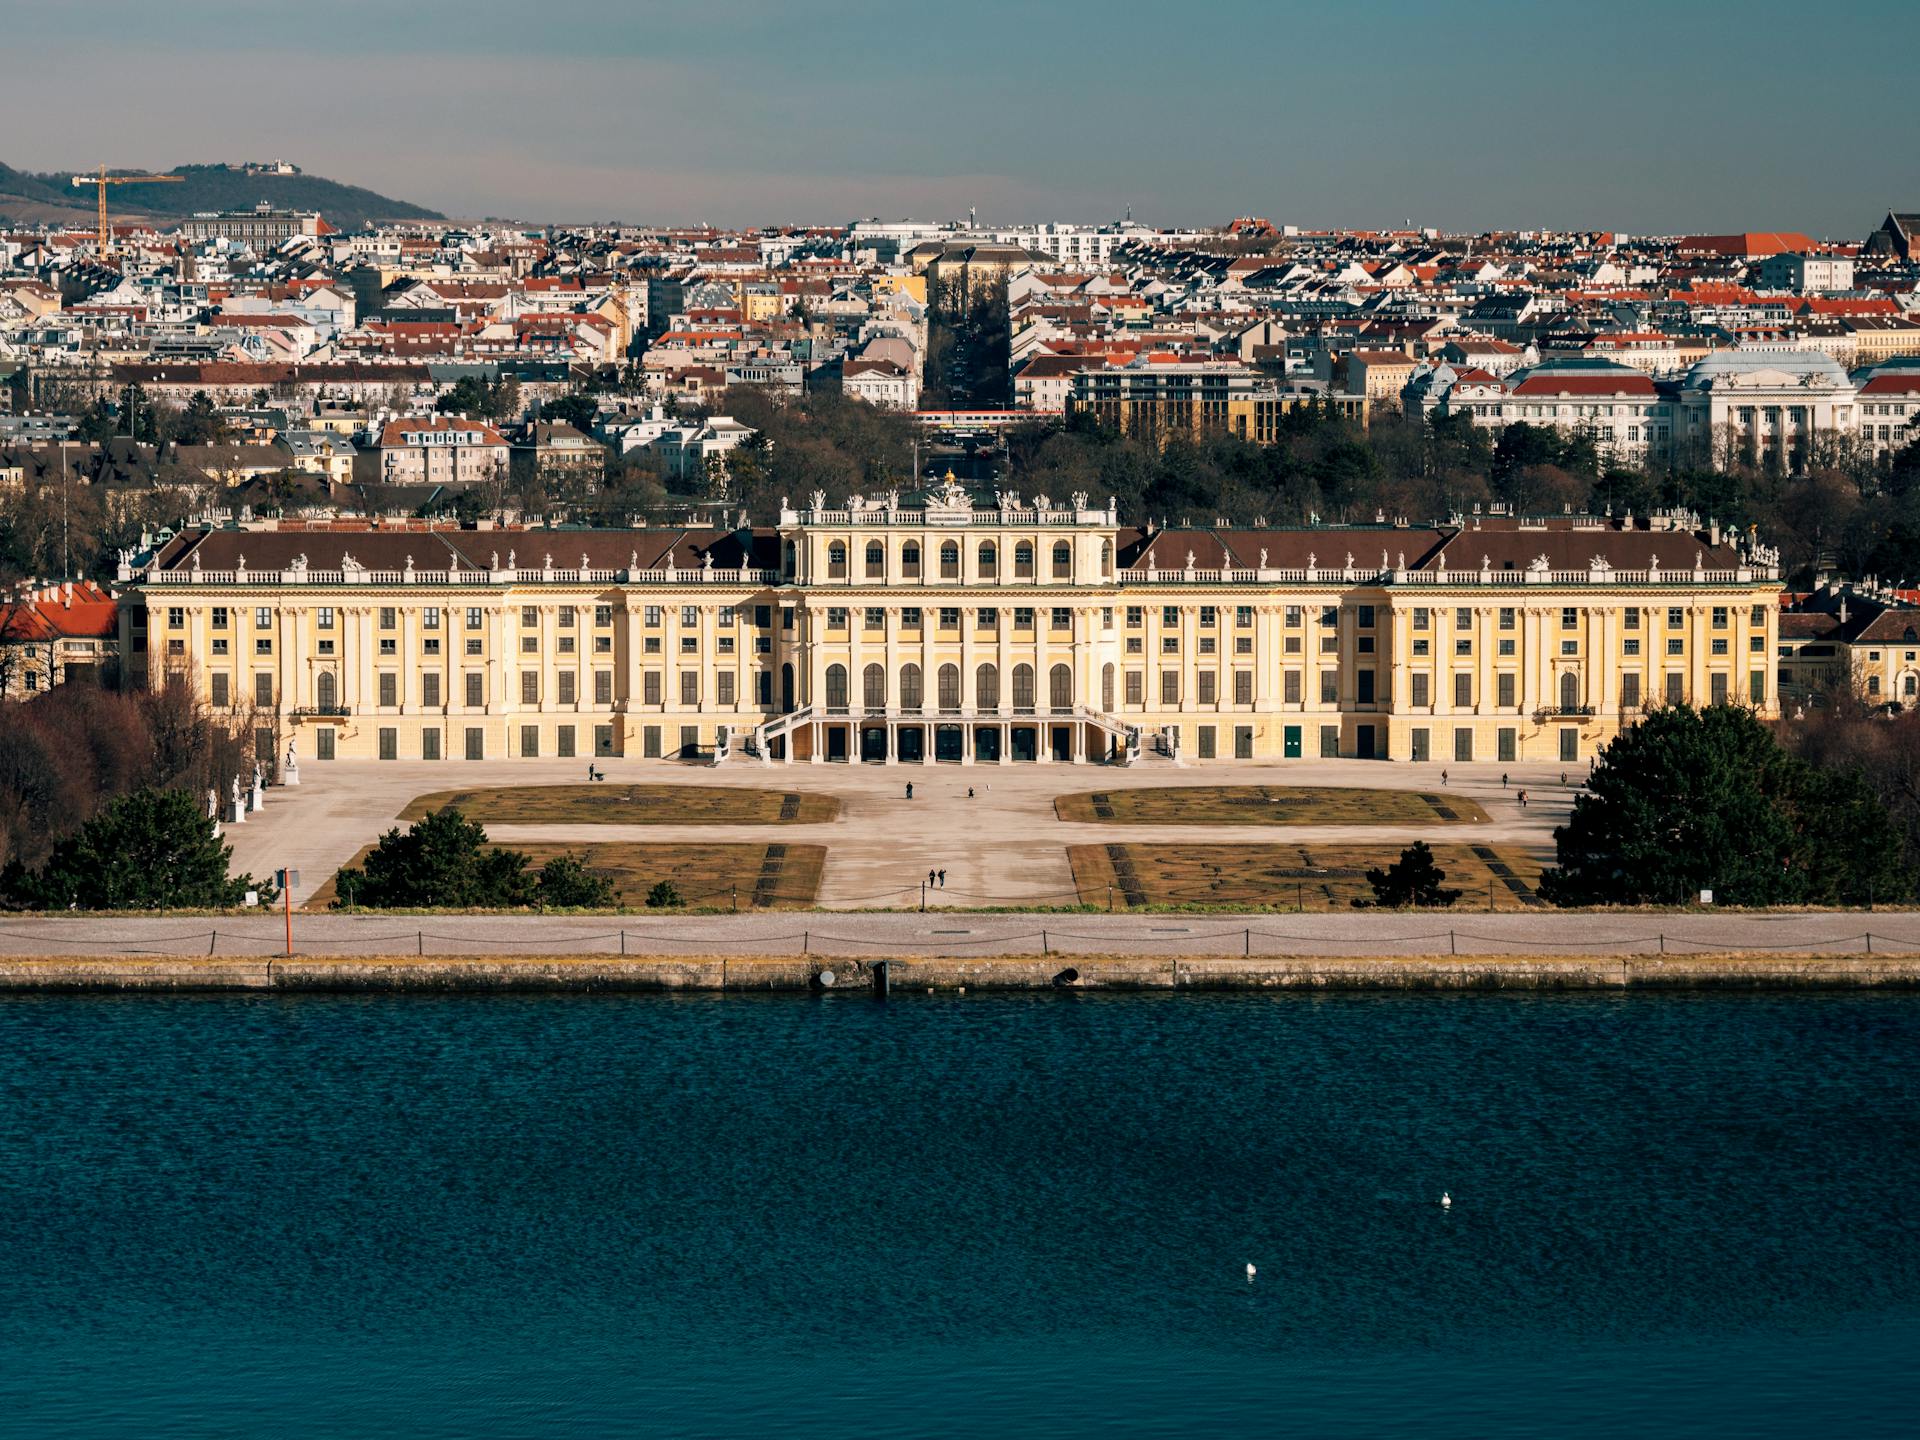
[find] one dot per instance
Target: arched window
(910, 687)
(874, 685)
(1023, 689)
(836, 561)
(1060, 687)
(910, 560)
(950, 688)
(786, 689)
(950, 561)
(324, 692)
(1569, 690)
(1912, 687)
(1106, 688)
(986, 687)
(1106, 559)
(989, 560)
(876, 560)
(1062, 561)
(1023, 560)
(836, 687)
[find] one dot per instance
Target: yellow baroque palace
(945, 631)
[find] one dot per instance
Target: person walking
(943, 879)
(969, 792)
(930, 878)
(909, 789)
(1503, 779)
(1523, 799)
(1443, 777)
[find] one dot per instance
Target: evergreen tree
(1691, 800)
(148, 850)
(1413, 879)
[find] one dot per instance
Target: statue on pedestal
(290, 771)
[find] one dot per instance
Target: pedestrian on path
(930, 875)
(969, 792)
(1503, 779)
(1523, 799)
(1443, 777)
(943, 879)
(909, 789)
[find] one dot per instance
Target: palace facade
(945, 631)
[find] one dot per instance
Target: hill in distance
(51, 198)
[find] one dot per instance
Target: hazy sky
(1644, 117)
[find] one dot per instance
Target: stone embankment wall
(909, 976)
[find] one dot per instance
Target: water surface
(1025, 1216)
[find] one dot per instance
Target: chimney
(1843, 609)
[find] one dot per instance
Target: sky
(1683, 116)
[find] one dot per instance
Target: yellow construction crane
(103, 180)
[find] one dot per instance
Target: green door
(1291, 747)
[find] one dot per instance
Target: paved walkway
(1004, 846)
(875, 936)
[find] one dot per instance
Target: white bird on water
(1251, 1272)
(1446, 1201)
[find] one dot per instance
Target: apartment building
(938, 630)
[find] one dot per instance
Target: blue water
(1016, 1216)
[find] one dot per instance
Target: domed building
(1771, 403)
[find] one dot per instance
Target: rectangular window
(1418, 743)
(1206, 742)
(1329, 742)
(1243, 687)
(1169, 687)
(1569, 647)
(389, 744)
(389, 647)
(1366, 617)
(650, 688)
(723, 691)
(262, 618)
(429, 744)
(1296, 616)
(1508, 746)
(1207, 682)
(1422, 617)
(603, 615)
(529, 687)
(1291, 687)
(323, 617)
(1719, 617)
(1170, 617)
(1243, 617)
(1135, 688)
(1676, 617)
(1569, 744)
(430, 689)
(1631, 617)
(1630, 647)
(1209, 616)
(219, 687)
(1422, 691)
(689, 688)
(650, 742)
(1504, 686)
(875, 618)
(1136, 617)
(473, 646)
(389, 618)
(1463, 743)
(1507, 617)
(389, 690)
(1462, 618)
(603, 687)
(1676, 689)
(263, 691)
(1676, 646)
(476, 744)
(219, 617)
(1758, 616)
(910, 617)
(473, 617)
(690, 615)
(1329, 687)
(1462, 692)
(1717, 684)
(1243, 742)
(563, 742)
(476, 689)
(1630, 692)
(653, 615)
(603, 740)
(1062, 617)
(1422, 648)
(568, 680)
(529, 616)
(1363, 687)
(1757, 687)
(529, 741)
